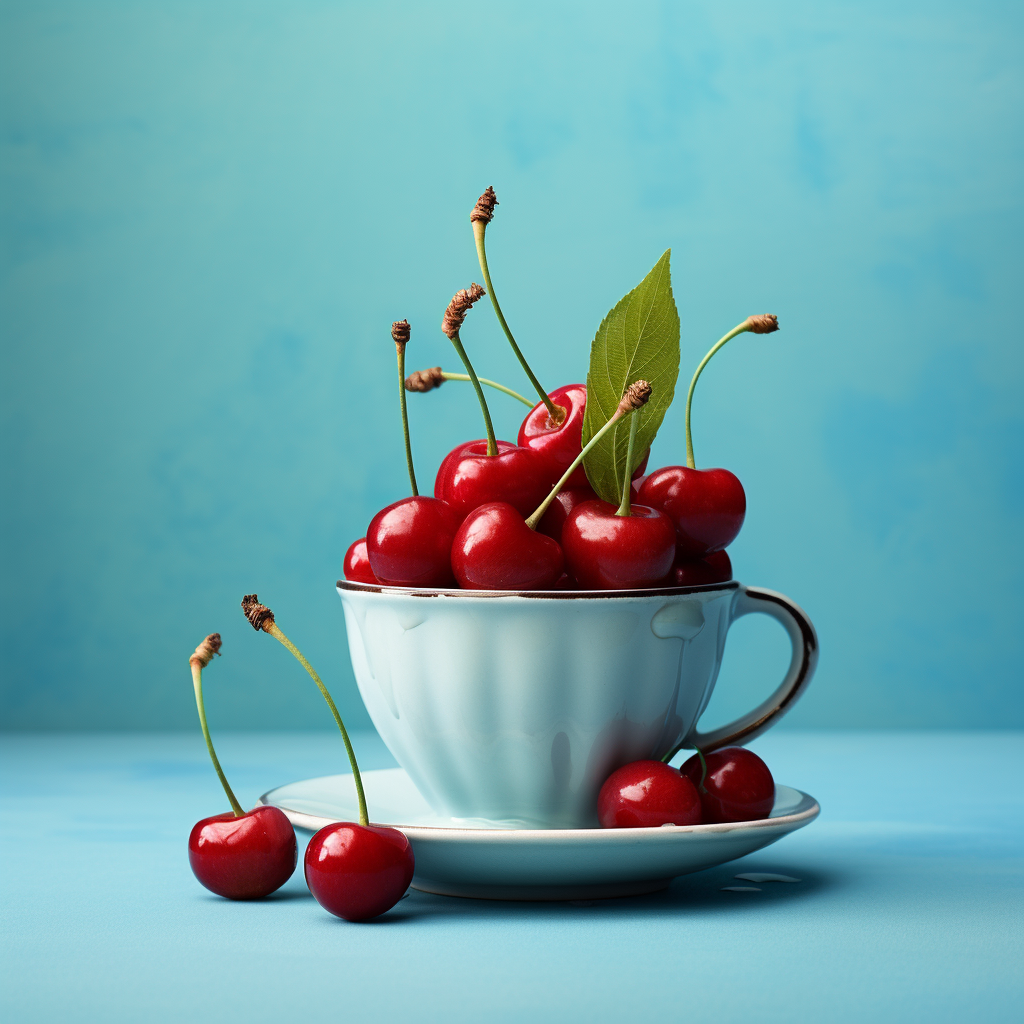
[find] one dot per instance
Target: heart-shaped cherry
(608, 551)
(646, 794)
(737, 785)
(409, 543)
(468, 477)
(716, 568)
(243, 857)
(707, 506)
(356, 566)
(358, 871)
(240, 855)
(558, 511)
(495, 550)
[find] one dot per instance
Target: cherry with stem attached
(707, 506)
(240, 855)
(356, 871)
(734, 784)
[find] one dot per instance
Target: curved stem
(543, 507)
(492, 445)
(405, 417)
(490, 383)
(627, 477)
(738, 329)
(275, 631)
(557, 413)
(197, 682)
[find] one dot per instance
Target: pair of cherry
(731, 784)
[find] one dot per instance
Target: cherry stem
(405, 418)
(491, 384)
(703, 770)
(627, 485)
(275, 631)
(543, 507)
(197, 682)
(556, 412)
(738, 329)
(492, 445)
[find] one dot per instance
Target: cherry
(468, 477)
(607, 551)
(646, 794)
(358, 871)
(409, 543)
(495, 550)
(558, 511)
(558, 442)
(736, 787)
(706, 505)
(240, 855)
(356, 566)
(243, 858)
(716, 568)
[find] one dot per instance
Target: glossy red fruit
(409, 543)
(716, 568)
(356, 566)
(243, 858)
(558, 511)
(706, 505)
(358, 871)
(646, 794)
(558, 443)
(494, 549)
(738, 785)
(468, 477)
(605, 551)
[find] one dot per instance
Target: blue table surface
(908, 906)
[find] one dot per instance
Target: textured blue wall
(212, 212)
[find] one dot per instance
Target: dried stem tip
(460, 305)
(206, 650)
(259, 615)
(764, 323)
(400, 331)
(425, 380)
(484, 209)
(637, 394)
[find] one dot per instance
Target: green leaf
(638, 340)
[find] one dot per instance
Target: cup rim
(356, 587)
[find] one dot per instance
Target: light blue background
(213, 212)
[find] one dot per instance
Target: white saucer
(461, 857)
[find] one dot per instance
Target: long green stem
(627, 482)
(738, 329)
(543, 507)
(556, 413)
(405, 417)
(275, 631)
(492, 445)
(491, 384)
(197, 682)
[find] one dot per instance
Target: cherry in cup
(356, 566)
(357, 871)
(734, 784)
(646, 794)
(240, 855)
(715, 568)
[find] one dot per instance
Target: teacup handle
(801, 667)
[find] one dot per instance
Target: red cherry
(738, 785)
(716, 568)
(356, 566)
(707, 506)
(358, 871)
(495, 550)
(468, 477)
(646, 794)
(243, 858)
(605, 551)
(558, 511)
(409, 543)
(558, 443)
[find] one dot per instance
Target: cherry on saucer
(737, 785)
(646, 794)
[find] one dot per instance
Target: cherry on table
(357, 872)
(737, 786)
(646, 794)
(409, 543)
(356, 566)
(243, 858)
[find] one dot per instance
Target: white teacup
(516, 707)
